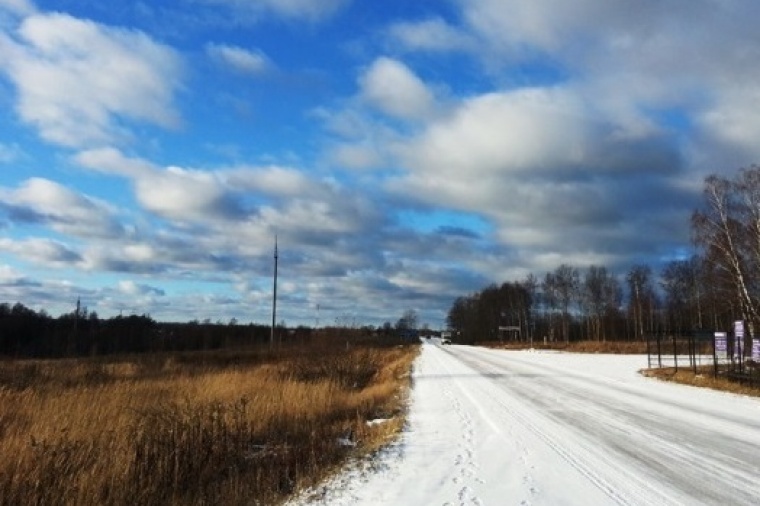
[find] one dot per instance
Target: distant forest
(27, 333)
(710, 290)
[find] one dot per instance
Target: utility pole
(274, 296)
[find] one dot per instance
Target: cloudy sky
(403, 152)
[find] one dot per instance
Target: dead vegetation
(704, 377)
(226, 427)
(614, 347)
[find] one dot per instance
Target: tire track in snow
(620, 487)
(670, 449)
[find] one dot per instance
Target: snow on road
(494, 427)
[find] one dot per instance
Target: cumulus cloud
(16, 8)
(174, 193)
(286, 199)
(306, 10)
(45, 202)
(632, 60)
(433, 34)
(110, 160)
(182, 194)
(129, 287)
(77, 80)
(523, 130)
(46, 252)
(394, 89)
(237, 58)
(546, 170)
(271, 180)
(10, 277)
(322, 220)
(355, 156)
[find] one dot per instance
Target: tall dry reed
(244, 427)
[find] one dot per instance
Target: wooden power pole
(274, 295)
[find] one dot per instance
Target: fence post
(715, 357)
(693, 352)
(659, 350)
(675, 353)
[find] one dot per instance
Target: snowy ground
(491, 427)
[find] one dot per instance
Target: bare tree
(601, 296)
(408, 320)
(550, 302)
(567, 284)
(642, 294)
(728, 229)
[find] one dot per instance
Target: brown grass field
(227, 427)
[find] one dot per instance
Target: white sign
(738, 338)
(721, 345)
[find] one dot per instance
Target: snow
(495, 427)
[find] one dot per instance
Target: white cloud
(239, 59)
(40, 200)
(17, 7)
(699, 58)
(272, 180)
(175, 193)
(355, 156)
(43, 251)
(734, 119)
(113, 161)
(523, 130)
(307, 10)
(78, 80)
(432, 34)
(394, 89)
(183, 195)
(129, 287)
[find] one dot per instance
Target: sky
(402, 153)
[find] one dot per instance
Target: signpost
(738, 339)
(721, 345)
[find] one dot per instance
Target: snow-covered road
(528, 428)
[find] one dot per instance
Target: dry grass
(615, 347)
(205, 428)
(704, 377)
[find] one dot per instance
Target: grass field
(227, 427)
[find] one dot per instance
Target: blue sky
(404, 153)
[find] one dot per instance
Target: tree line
(718, 284)
(28, 333)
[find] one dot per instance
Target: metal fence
(721, 353)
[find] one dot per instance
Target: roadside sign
(721, 345)
(738, 338)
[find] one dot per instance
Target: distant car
(445, 340)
